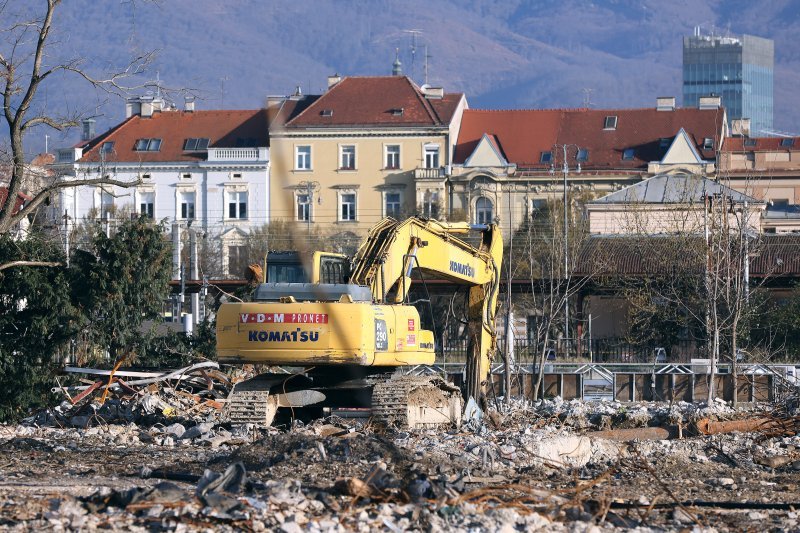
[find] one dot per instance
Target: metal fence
(613, 350)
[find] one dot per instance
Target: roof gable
(487, 153)
(681, 151)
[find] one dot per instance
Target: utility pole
(509, 340)
(565, 171)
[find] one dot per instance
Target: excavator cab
(288, 267)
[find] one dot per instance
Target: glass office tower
(739, 69)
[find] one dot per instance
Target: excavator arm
(392, 250)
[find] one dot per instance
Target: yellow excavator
(349, 342)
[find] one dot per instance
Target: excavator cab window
(285, 267)
(334, 269)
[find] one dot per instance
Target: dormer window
(628, 153)
(708, 143)
(327, 112)
(788, 142)
(107, 147)
(397, 111)
(147, 145)
(196, 144)
(546, 157)
(583, 154)
(749, 141)
(610, 123)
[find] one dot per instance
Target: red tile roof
(21, 199)
(762, 144)
(524, 134)
(224, 128)
(377, 100)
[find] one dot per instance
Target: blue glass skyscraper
(739, 69)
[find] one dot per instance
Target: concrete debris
(551, 465)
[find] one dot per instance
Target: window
(303, 208)
(749, 141)
(146, 176)
(708, 143)
(237, 205)
(347, 157)
(326, 112)
(187, 205)
(484, 212)
(237, 260)
(610, 122)
(186, 176)
(583, 154)
(431, 156)
(147, 145)
(347, 207)
(663, 142)
(393, 156)
(628, 153)
(236, 175)
(302, 159)
(538, 205)
(391, 202)
(106, 204)
(107, 147)
(147, 204)
(194, 144)
(546, 157)
(787, 142)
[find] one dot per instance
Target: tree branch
(13, 264)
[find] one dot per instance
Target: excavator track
(416, 402)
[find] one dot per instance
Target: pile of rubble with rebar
(130, 449)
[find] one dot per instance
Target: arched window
(484, 211)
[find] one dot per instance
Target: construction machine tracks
(416, 402)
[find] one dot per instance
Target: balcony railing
(429, 173)
(237, 154)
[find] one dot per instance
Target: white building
(204, 169)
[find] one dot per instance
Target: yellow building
(369, 147)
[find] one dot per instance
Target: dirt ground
(531, 469)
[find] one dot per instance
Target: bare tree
(29, 59)
(552, 288)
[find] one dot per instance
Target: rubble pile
(188, 395)
(545, 466)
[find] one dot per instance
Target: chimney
(712, 101)
(274, 101)
(740, 127)
(133, 106)
(88, 129)
(665, 103)
(333, 80)
(146, 107)
(188, 104)
(433, 92)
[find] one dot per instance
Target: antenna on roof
(413, 47)
(587, 97)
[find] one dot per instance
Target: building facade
(208, 170)
(509, 165)
(369, 147)
(739, 69)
